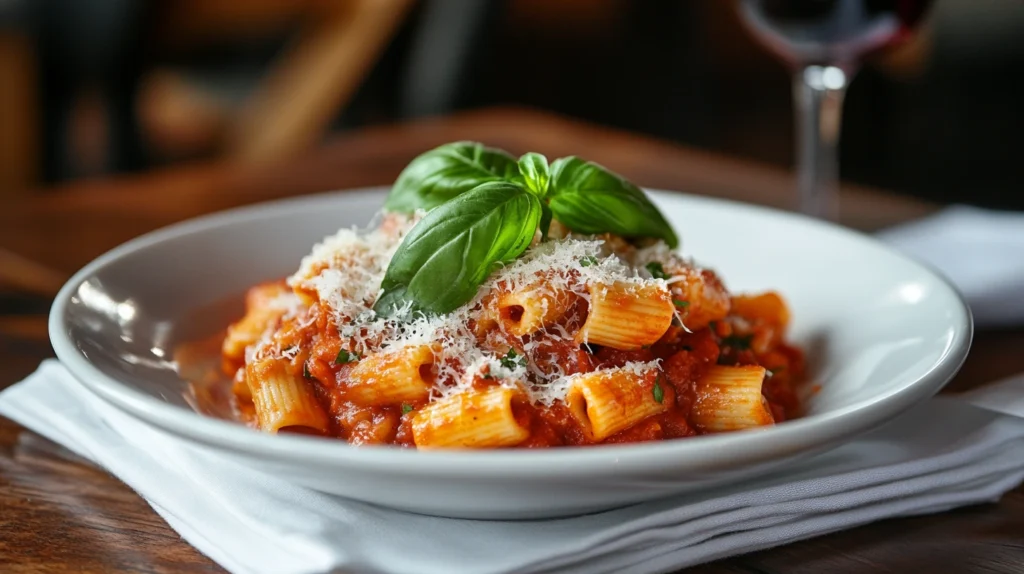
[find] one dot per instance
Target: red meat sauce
(684, 357)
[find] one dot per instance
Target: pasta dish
(502, 302)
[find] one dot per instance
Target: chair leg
(315, 79)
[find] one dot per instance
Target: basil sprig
(447, 171)
(484, 209)
(450, 252)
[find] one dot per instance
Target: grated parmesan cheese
(344, 272)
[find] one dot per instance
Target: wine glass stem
(818, 92)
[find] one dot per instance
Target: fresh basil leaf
(536, 173)
(406, 408)
(448, 171)
(658, 392)
(590, 199)
(450, 252)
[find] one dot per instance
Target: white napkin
(980, 251)
(943, 454)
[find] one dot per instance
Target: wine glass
(823, 42)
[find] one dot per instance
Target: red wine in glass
(823, 41)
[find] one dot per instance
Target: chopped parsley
(305, 371)
(588, 261)
(511, 360)
(406, 408)
(739, 342)
(345, 357)
(659, 393)
(680, 303)
(656, 270)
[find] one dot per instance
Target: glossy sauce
(684, 357)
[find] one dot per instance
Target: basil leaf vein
(536, 173)
(448, 171)
(447, 256)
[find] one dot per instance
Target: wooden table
(59, 514)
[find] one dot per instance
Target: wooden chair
(295, 101)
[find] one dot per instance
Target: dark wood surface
(59, 513)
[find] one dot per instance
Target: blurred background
(98, 87)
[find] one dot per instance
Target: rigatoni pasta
(500, 327)
(282, 400)
(729, 398)
(627, 316)
(531, 308)
(611, 400)
(474, 419)
(391, 378)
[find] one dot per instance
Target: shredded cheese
(345, 271)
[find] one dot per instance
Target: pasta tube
(282, 400)
(474, 419)
(608, 401)
(626, 316)
(402, 376)
(729, 398)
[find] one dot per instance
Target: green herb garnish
(406, 408)
(589, 198)
(305, 371)
(659, 394)
(484, 209)
(345, 357)
(511, 360)
(680, 303)
(448, 171)
(739, 342)
(588, 261)
(465, 238)
(656, 270)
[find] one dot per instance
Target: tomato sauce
(683, 358)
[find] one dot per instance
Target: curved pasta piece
(282, 400)
(402, 376)
(729, 399)
(531, 308)
(611, 400)
(768, 307)
(701, 295)
(626, 316)
(474, 419)
(261, 311)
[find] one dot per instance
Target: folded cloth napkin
(979, 250)
(942, 454)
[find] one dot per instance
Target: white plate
(881, 332)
